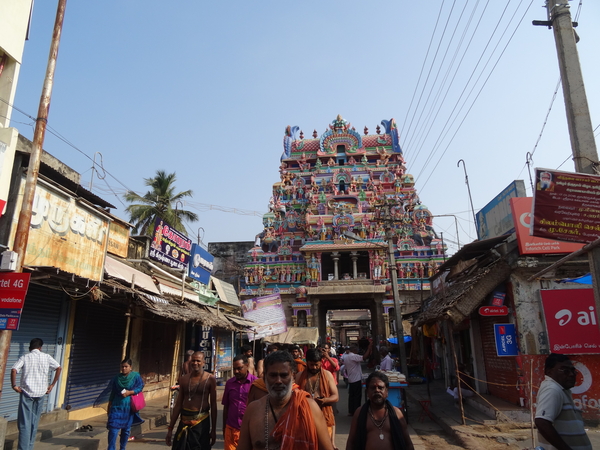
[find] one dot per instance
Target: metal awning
(244, 323)
(296, 335)
(226, 291)
(122, 271)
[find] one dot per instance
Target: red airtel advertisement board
(566, 206)
(571, 321)
(13, 289)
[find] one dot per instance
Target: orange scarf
(325, 392)
(300, 365)
(260, 384)
(295, 428)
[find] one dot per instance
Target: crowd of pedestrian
(285, 401)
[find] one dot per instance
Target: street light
(455, 224)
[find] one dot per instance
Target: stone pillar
(336, 258)
(316, 318)
(354, 256)
(377, 326)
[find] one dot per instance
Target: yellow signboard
(65, 233)
(118, 239)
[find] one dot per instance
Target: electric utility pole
(583, 144)
(22, 235)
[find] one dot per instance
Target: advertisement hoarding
(571, 323)
(495, 218)
(506, 339)
(13, 289)
(169, 246)
(534, 245)
(201, 264)
(566, 206)
(266, 311)
(224, 357)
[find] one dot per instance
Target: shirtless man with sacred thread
(378, 425)
(285, 419)
(196, 402)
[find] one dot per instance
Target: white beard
(280, 395)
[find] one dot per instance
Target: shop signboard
(201, 265)
(13, 289)
(506, 339)
(64, 233)
(266, 311)
(118, 239)
(205, 344)
(534, 245)
(571, 323)
(224, 355)
(169, 246)
(495, 218)
(566, 206)
(493, 311)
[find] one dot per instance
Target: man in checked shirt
(32, 388)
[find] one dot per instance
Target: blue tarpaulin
(395, 340)
(586, 279)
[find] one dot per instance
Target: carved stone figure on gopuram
(340, 198)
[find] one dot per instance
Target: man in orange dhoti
(319, 383)
(285, 419)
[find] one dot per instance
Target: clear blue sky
(206, 89)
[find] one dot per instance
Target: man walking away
(387, 363)
(234, 401)
(378, 424)
(559, 422)
(32, 388)
(352, 361)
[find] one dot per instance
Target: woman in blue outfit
(120, 416)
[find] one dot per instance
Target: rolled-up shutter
(40, 318)
(96, 347)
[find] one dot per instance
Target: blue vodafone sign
(506, 339)
(201, 264)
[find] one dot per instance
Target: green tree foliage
(160, 201)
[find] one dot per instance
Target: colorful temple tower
(340, 197)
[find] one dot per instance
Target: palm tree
(160, 201)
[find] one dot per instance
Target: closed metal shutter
(96, 348)
(40, 318)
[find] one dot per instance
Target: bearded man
(319, 383)
(285, 419)
(378, 425)
(198, 397)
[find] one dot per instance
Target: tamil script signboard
(206, 345)
(571, 321)
(566, 206)
(266, 311)
(534, 245)
(506, 339)
(64, 233)
(13, 289)
(169, 246)
(201, 264)
(495, 218)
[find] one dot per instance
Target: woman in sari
(120, 416)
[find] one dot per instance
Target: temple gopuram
(341, 196)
